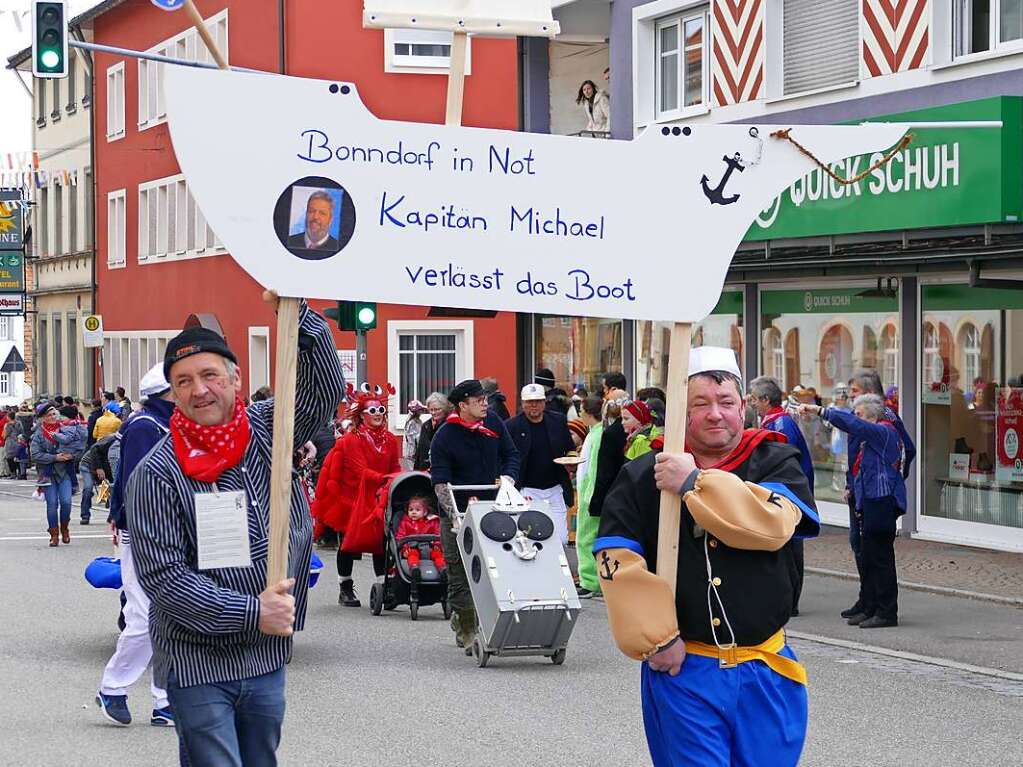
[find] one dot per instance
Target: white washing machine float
(521, 584)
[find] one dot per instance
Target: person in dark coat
(439, 408)
(867, 381)
(97, 411)
(497, 402)
(472, 447)
(541, 435)
(611, 455)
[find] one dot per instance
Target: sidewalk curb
(904, 655)
(942, 590)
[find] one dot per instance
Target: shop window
(579, 350)
(983, 25)
(680, 61)
(824, 336)
(889, 356)
(971, 459)
(722, 328)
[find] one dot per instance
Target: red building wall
(323, 40)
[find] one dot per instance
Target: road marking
(43, 536)
(903, 655)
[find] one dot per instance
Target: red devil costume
(353, 471)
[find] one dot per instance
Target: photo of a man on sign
(314, 218)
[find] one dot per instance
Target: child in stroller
(420, 520)
(406, 498)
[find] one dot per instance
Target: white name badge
(222, 530)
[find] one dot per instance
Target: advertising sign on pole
(12, 304)
(1008, 431)
(477, 218)
(92, 331)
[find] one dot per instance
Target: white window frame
(262, 331)
(995, 44)
(117, 356)
(184, 46)
(5, 384)
(421, 65)
(889, 354)
(679, 21)
(115, 102)
(5, 329)
(465, 356)
(645, 60)
(167, 193)
(116, 229)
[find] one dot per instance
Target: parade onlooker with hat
(472, 447)
(221, 636)
(108, 422)
(640, 430)
(740, 696)
(541, 436)
(137, 437)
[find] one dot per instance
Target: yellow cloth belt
(768, 652)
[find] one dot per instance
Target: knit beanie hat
(194, 341)
(578, 428)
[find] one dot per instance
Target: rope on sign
(786, 135)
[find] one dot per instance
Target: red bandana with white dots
(206, 452)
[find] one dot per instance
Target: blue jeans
(58, 492)
(87, 485)
(229, 724)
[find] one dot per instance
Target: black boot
(347, 596)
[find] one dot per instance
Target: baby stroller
(398, 587)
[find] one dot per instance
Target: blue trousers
(747, 716)
(87, 485)
(229, 724)
(58, 498)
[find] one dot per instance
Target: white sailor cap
(153, 382)
(704, 359)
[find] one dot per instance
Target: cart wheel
(559, 657)
(481, 655)
(376, 598)
(414, 611)
(447, 610)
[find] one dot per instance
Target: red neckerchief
(376, 437)
(771, 416)
(206, 452)
(49, 429)
(476, 427)
(749, 441)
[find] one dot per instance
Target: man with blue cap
(720, 686)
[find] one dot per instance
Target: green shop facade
(916, 271)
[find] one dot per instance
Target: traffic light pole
(361, 359)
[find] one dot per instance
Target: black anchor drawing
(607, 573)
(714, 195)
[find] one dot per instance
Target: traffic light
(49, 38)
(354, 315)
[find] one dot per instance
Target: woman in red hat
(354, 470)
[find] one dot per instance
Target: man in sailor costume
(720, 687)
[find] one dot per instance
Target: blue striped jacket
(204, 624)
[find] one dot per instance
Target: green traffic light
(50, 59)
(366, 315)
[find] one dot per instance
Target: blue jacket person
(720, 686)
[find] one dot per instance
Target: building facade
(160, 262)
(915, 270)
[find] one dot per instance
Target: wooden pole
(200, 27)
(283, 440)
(284, 393)
(456, 80)
(669, 526)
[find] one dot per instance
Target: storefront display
(972, 404)
(812, 341)
(722, 328)
(578, 350)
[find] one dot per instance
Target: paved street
(365, 690)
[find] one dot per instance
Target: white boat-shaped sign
(316, 197)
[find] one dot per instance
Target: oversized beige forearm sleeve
(741, 514)
(640, 605)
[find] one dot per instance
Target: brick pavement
(939, 565)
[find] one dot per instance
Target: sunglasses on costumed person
(375, 410)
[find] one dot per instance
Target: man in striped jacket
(221, 639)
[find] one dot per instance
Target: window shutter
(821, 43)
